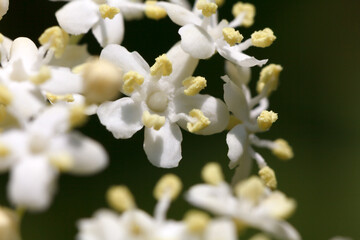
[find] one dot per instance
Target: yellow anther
(212, 173)
(196, 221)
(3, 113)
(251, 189)
(63, 162)
(78, 69)
(9, 224)
(107, 11)
(132, 80)
(57, 38)
(219, 2)
(5, 95)
(153, 11)
(4, 150)
(266, 119)
(169, 185)
(201, 121)
(207, 8)
(232, 36)
(1, 38)
(269, 75)
(102, 81)
(56, 98)
(263, 38)
(268, 176)
(78, 116)
(247, 9)
(282, 149)
(260, 236)
(161, 67)
(279, 206)
(153, 120)
(120, 198)
(233, 121)
(193, 85)
(42, 76)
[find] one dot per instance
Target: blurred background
(318, 46)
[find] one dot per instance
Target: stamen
(3, 113)
(153, 120)
(9, 224)
(1, 38)
(232, 36)
(78, 116)
(268, 176)
(263, 38)
(42, 76)
(5, 95)
(153, 11)
(193, 85)
(219, 2)
(282, 149)
(207, 8)
(107, 11)
(233, 121)
(279, 206)
(4, 150)
(162, 66)
(56, 98)
(196, 221)
(120, 198)
(201, 123)
(212, 173)
(63, 162)
(251, 188)
(57, 38)
(169, 184)
(132, 80)
(247, 9)
(266, 119)
(269, 75)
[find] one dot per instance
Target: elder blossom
(159, 103)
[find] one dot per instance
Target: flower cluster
(47, 92)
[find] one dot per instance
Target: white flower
(79, 16)
(35, 156)
(159, 103)
(202, 36)
(4, 6)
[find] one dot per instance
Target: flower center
(157, 101)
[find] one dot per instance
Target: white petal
(88, 155)
(73, 55)
(109, 31)
(238, 74)
(236, 101)
(163, 147)
(243, 170)
(78, 17)
(63, 81)
(127, 61)
(180, 15)
(237, 141)
(32, 184)
(196, 41)
(15, 141)
(4, 6)
(214, 109)
(129, 9)
(24, 49)
(121, 117)
(223, 229)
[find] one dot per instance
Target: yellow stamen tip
(193, 85)
(212, 173)
(42, 76)
(263, 38)
(153, 120)
(78, 116)
(232, 36)
(9, 224)
(154, 12)
(56, 98)
(269, 75)
(1, 38)
(4, 150)
(107, 11)
(120, 198)
(219, 2)
(233, 121)
(57, 38)
(279, 206)
(3, 113)
(161, 67)
(132, 80)
(207, 8)
(168, 184)
(201, 121)
(247, 9)
(251, 189)
(268, 176)
(63, 162)
(5, 95)
(282, 149)
(266, 119)
(196, 221)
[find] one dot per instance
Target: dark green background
(317, 101)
